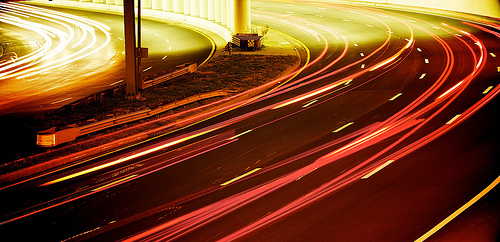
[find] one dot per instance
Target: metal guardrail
(187, 68)
(53, 137)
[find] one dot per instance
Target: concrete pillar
(168, 5)
(195, 8)
(203, 9)
(187, 7)
(211, 10)
(223, 12)
(230, 14)
(178, 6)
(130, 59)
(218, 9)
(157, 4)
(146, 4)
(242, 22)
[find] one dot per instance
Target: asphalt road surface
(390, 128)
(54, 57)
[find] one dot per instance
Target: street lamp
(133, 54)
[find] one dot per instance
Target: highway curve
(387, 131)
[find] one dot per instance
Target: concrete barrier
(53, 136)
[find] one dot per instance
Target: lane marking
(419, 50)
(113, 183)
(362, 54)
(487, 90)
(343, 127)
(377, 170)
(459, 211)
(147, 69)
(239, 177)
(236, 136)
(453, 119)
(114, 83)
(426, 61)
(60, 101)
(493, 55)
(363, 66)
(309, 104)
(397, 95)
(422, 76)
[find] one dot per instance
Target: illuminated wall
(481, 7)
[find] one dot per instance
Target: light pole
(133, 54)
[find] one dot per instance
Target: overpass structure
(234, 14)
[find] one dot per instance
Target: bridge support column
(218, 10)
(242, 22)
(230, 14)
(146, 4)
(211, 10)
(223, 12)
(168, 5)
(130, 49)
(178, 6)
(187, 7)
(195, 8)
(203, 9)
(157, 5)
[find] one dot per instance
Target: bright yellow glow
(33, 64)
